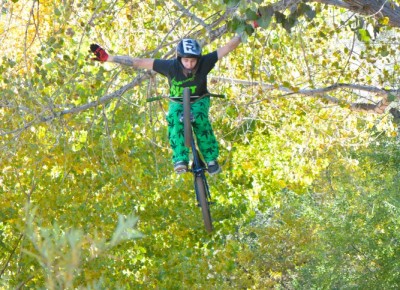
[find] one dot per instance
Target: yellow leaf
(384, 21)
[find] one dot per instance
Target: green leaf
(231, 3)
(236, 25)
(310, 13)
(57, 11)
(289, 23)
(251, 15)
(248, 29)
(266, 16)
(384, 53)
(280, 17)
(391, 98)
(384, 21)
(363, 35)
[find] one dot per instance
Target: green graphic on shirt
(177, 87)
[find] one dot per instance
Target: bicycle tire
(187, 126)
(203, 202)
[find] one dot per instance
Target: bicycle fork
(198, 169)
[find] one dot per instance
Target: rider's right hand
(99, 52)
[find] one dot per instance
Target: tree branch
(74, 110)
(285, 4)
(378, 108)
(375, 8)
(191, 15)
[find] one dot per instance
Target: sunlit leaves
(338, 233)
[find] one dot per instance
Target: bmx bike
(198, 167)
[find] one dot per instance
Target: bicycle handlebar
(179, 99)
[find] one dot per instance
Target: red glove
(100, 53)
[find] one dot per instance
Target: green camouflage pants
(202, 129)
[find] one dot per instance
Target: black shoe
(213, 167)
(181, 167)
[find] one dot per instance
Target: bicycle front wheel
(187, 125)
(203, 202)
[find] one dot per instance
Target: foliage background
(309, 194)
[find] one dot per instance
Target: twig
(191, 15)
(11, 254)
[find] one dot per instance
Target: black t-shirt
(178, 81)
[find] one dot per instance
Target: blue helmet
(188, 47)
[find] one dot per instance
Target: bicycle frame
(198, 167)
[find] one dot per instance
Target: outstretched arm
(145, 63)
(103, 56)
(227, 48)
(234, 42)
